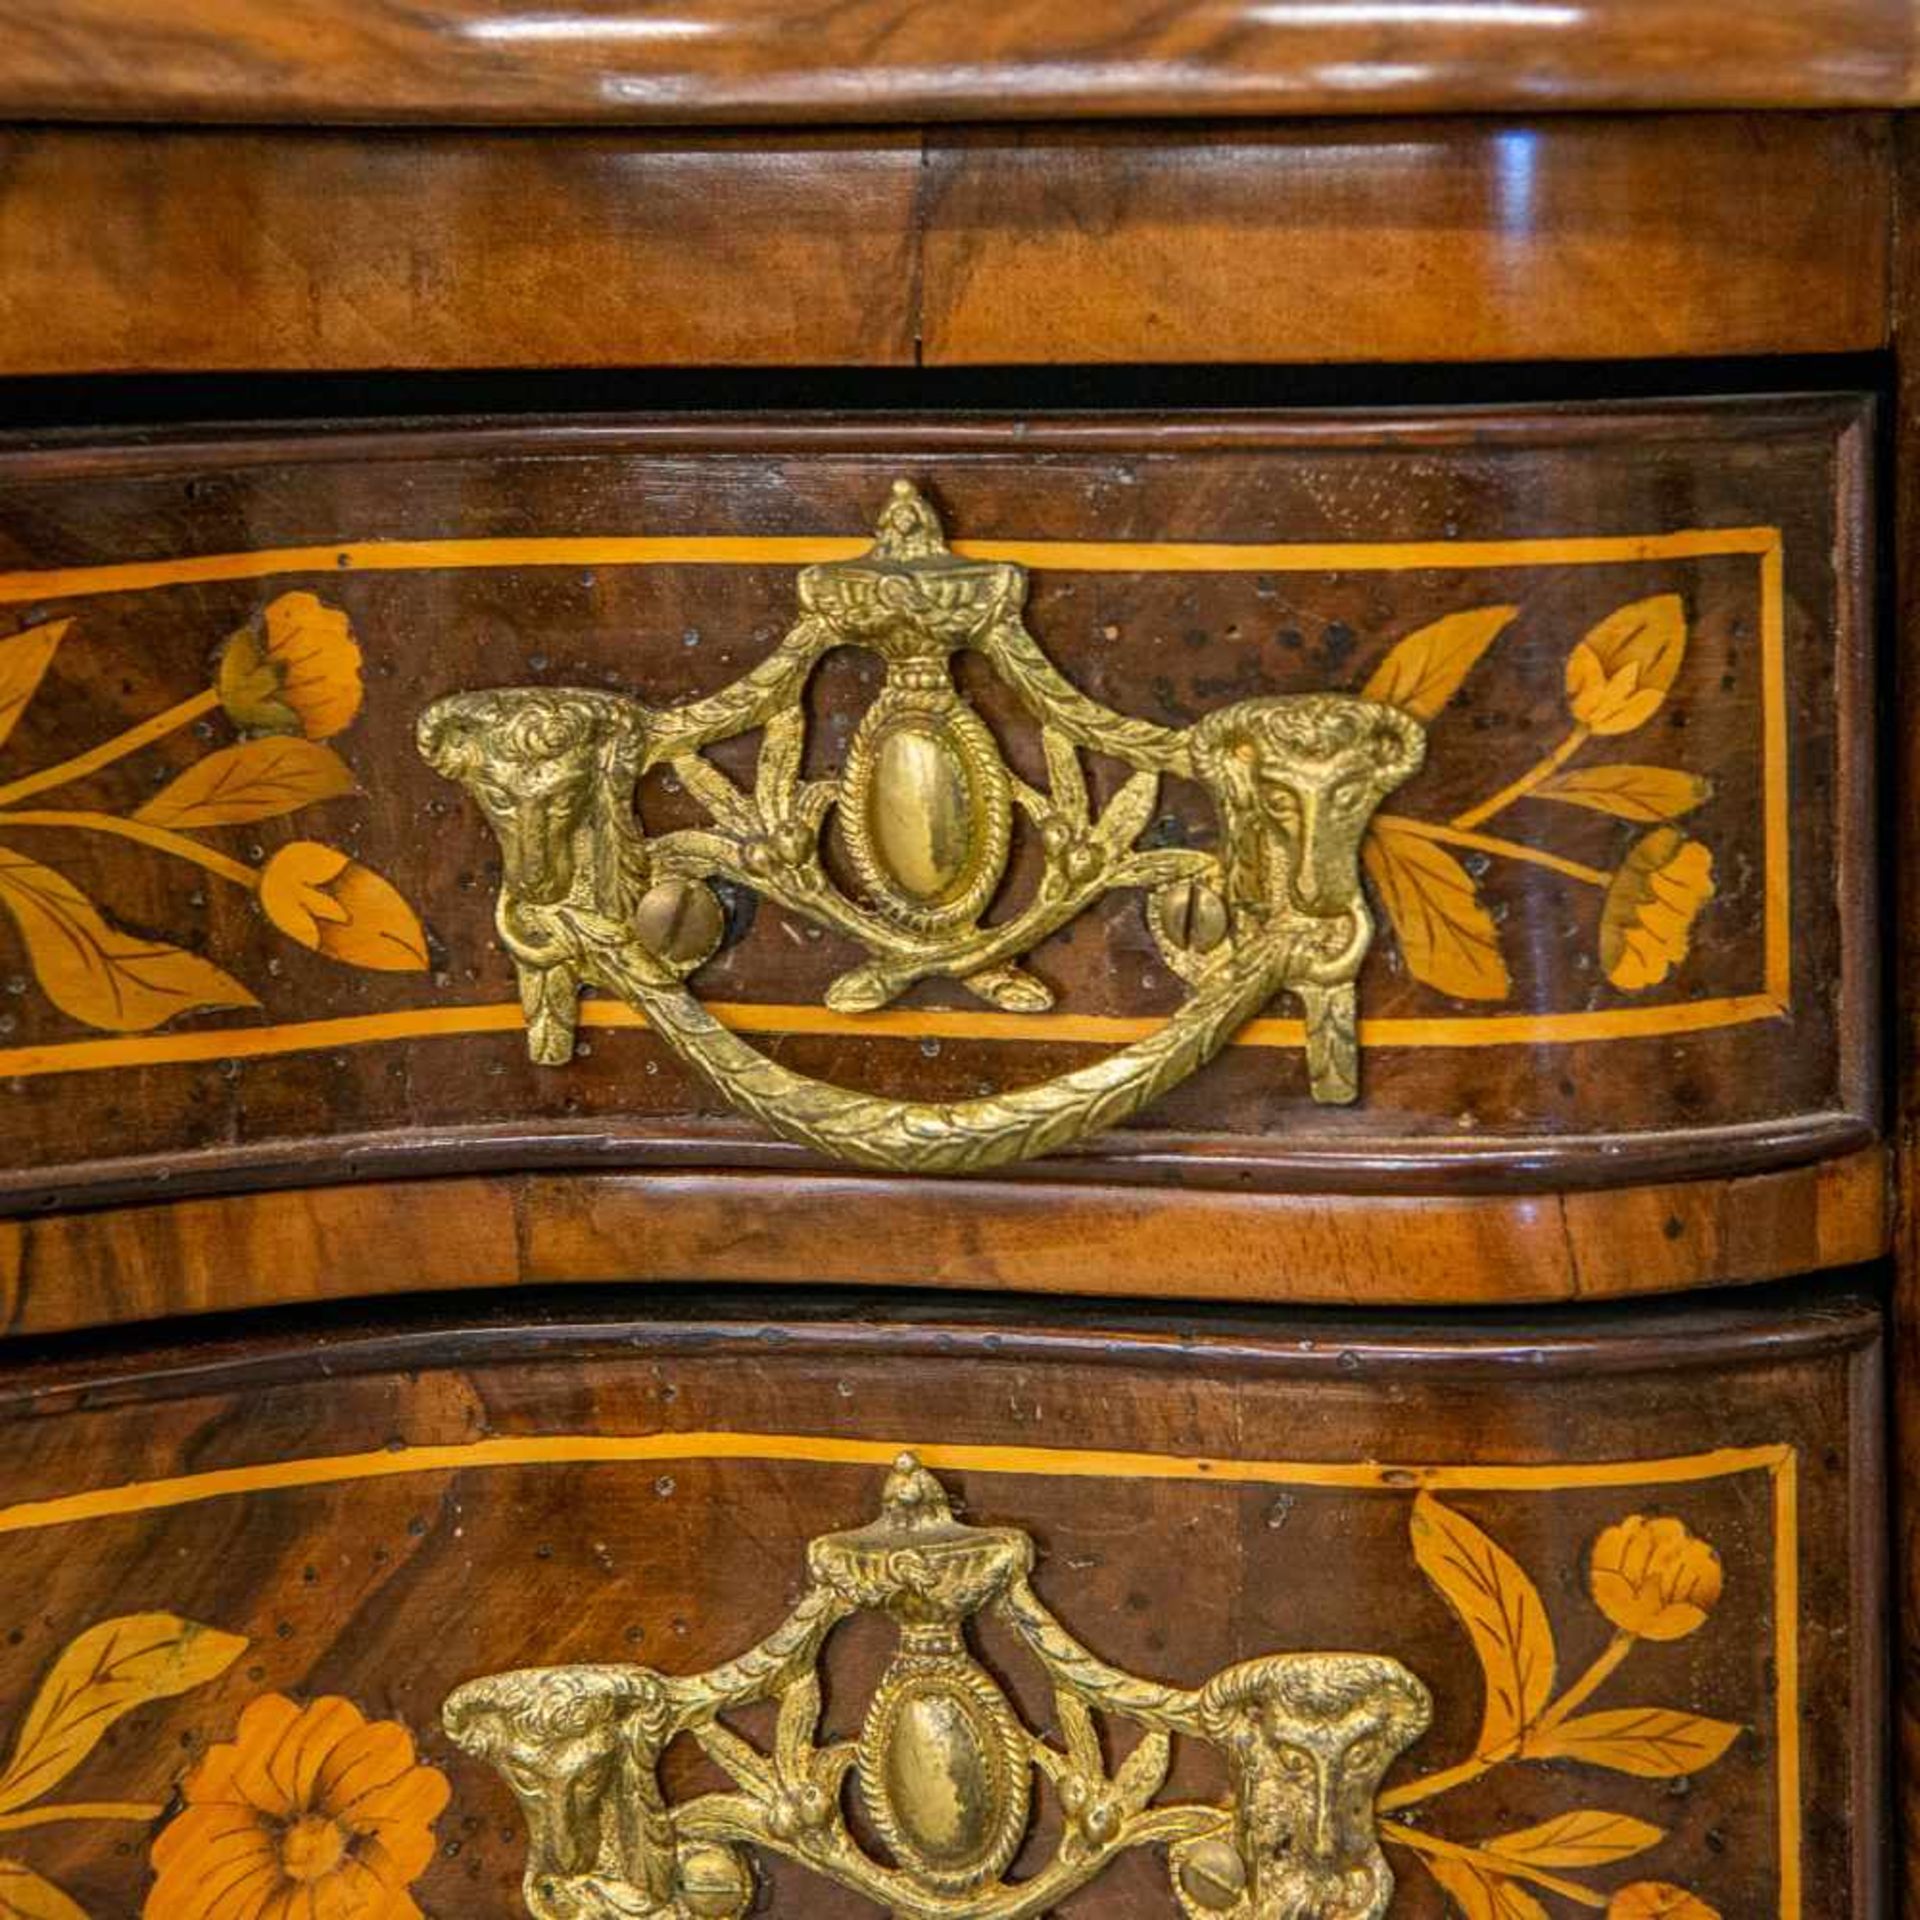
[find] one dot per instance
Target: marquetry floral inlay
(288, 682)
(1618, 676)
(309, 1811)
(101, 1676)
(1653, 1580)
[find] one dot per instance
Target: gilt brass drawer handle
(925, 807)
(942, 1763)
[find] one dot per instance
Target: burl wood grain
(1753, 1049)
(757, 61)
(382, 1515)
(173, 250)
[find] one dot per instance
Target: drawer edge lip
(1708, 415)
(1411, 1167)
(1673, 1336)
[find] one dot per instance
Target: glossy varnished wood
(156, 251)
(759, 61)
(1402, 240)
(131, 251)
(386, 1509)
(1755, 1050)
(278, 1247)
(383, 1513)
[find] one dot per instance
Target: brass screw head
(1194, 916)
(680, 921)
(715, 1883)
(1212, 1874)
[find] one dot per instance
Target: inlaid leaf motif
(1588, 1837)
(1483, 1896)
(1446, 934)
(1502, 1612)
(93, 971)
(1655, 1900)
(1656, 1743)
(1629, 792)
(1426, 669)
(24, 659)
(105, 1673)
(24, 1895)
(257, 780)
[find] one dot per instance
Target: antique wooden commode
(957, 962)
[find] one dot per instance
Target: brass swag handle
(942, 1763)
(924, 808)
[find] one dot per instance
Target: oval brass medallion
(926, 809)
(921, 813)
(944, 1774)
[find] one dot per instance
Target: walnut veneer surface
(939, 742)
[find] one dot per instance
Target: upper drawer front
(1568, 870)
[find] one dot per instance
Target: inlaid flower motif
(1654, 1900)
(1620, 672)
(1646, 924)
(1426, 874)
(309, 1811)
(296, 671)
(1654, 1579)
(324, 899)
(288, 680)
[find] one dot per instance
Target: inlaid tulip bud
(295, 670)
(1654, 1579)
(1620, 672)
(320, 897)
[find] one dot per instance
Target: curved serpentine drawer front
(1093, 1616)
(1337, 801)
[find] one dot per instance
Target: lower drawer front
(1222, 1621)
